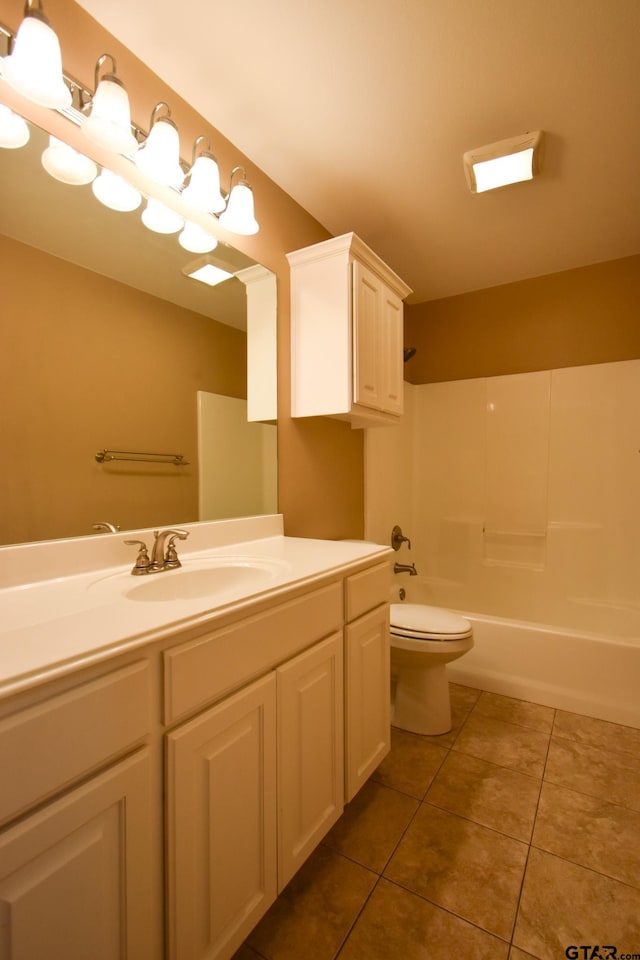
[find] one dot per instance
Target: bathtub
(581, 672)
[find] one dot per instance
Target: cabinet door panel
(222, 823)
(392, 340)
(75, 880)
(367, 292)
(310, 752)
(368, 696)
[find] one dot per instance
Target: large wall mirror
(107, 344)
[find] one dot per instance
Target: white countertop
(49, 627)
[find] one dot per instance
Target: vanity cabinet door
(221, 795)
(367, 696)
(310, 752)
(76, 877)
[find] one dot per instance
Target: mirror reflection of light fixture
(109, 120)
(239, 215)
(159, 156)
(196, 240)
(34, 67)
(158, 217)
(203, 189)
(505, 162)
(67, 165)
(115, 192)
(205, 271)
(14, 132)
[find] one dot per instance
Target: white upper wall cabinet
(346, 333)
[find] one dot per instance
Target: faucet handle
(143, 563)
(398, 538)
(171, 557)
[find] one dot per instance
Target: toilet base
(421, 702)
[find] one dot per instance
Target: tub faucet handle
(398, 538)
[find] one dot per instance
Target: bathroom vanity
(171, 756)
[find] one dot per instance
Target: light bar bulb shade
(14, 131)
(159, 156)
(203, 189)
(34, 68)
(109, 123)
(159, 218)
(114, 192)
(196, 240)
(65, 164)
(239, 216)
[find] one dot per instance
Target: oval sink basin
(196, 579)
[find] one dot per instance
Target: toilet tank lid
(425, 619)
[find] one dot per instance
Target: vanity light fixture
(34, 67)
(238, 217)
(203, 189)
(14, 131)
(109, 121)
(159, 155)
(159, 218)
(115, 192)
(65, 164)
(504, 162)
(196, 240)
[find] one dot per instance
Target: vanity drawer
(199, 672)
(50, 745)
(367, 590)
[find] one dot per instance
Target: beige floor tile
(564, 904)
(596, 771)
(397, 925)
(481, 791)
(589, 831)
(461, 707)
(597, 733)
(524, 714)
(314, 913)
(372, 824)
(506, 744)
(466, 868)
(411, 765)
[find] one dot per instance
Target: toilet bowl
(423, 640)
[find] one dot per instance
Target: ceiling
(362, 109)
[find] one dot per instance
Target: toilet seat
(420, 622)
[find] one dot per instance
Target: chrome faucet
(409, 568)
(160, 559)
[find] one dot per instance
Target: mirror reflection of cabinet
(346, 333)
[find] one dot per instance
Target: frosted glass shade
(109, 123)
(14, 131)
(67, 165)
(159, 156)
(196, 240)
(159, 218)
(34, 68)
(239, 216)
(115, 193)
(203, 189)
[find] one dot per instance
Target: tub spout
(409, 568)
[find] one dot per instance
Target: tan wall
(320, 473)
(583, 316)
(138, 393)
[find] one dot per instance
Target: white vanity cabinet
(255, 781)
(346, 333)
(78, 852)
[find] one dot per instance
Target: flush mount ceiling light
(109, 120)
(34, 68)
(504, 162)
(205, 271)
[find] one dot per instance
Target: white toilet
(423, 640)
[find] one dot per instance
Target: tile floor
(514, 836)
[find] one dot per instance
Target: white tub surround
(195, 731)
